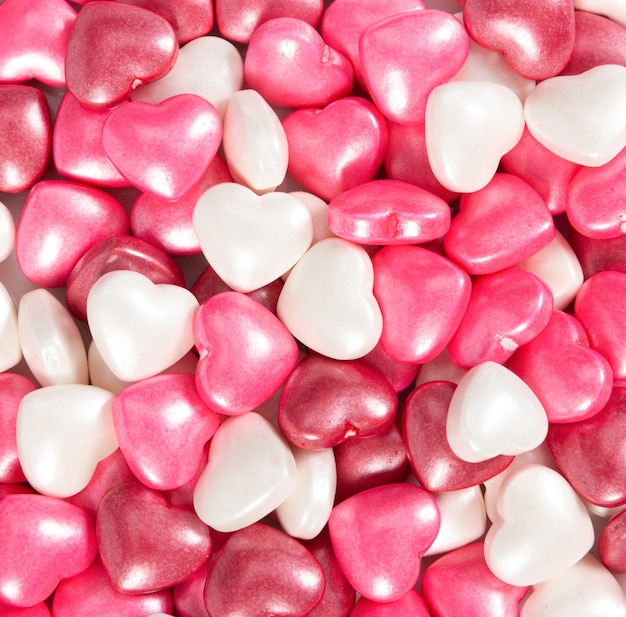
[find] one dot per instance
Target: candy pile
(313, 308)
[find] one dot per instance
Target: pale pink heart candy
(251, 240)
(7, 232)
(580, 117)
(613, 9)
(250, 472)
(10, 351)
(51, 342)
(541, 527)
(327, 302)
(307, 509)
(208, 66)
(255, 144)
(470, 125)
(63, 432)
(494, 412)
(586, 589)
(140, 328)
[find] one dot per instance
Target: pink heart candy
(38, 610)
(323, 156)
(45, 541)
(140, 557)
(411, 603)
(188, 136)
(25, 137)
(379, 536)
(597, 255)
(399, 374)
(612, 543)
(404, 57)
(111, 47)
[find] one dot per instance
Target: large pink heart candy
(575, 387)
(536, 37)
(336, 148)
(35, 35)
(25, 137)
(59, 223)
(145, 544)
(290, 65)
(492, 232)
(44, 541)
(263, 571)
(424, 429)
(460, 584)
(422, 296)
(112, 47)
(162, 426)
(406, 56)
(325, 402)
(233, 331)
(591, 453)
(163, 149)
(379, 537)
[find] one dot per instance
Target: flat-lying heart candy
(541, 529)
(579, 117)
(139, 328)
(112, 47)
(406, 517)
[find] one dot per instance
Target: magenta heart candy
(399, 374)
(435, 465)
(145, 544)
(612, 543)
(325, 402)
(112, 47)
(38, 610)
(263, 571)
(379, 537)
(189, 595)
(163, 149)
(597, 255)
(411, 603)
(45, 540)
(232, 330)
(323, 152)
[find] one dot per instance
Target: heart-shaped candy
(140, 328)
(11, 351)
(492, 411)
(411, 603)
(612, 543)
(112, 48)
(541, 529)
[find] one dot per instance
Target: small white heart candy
(10, 349)
(580, 117)
(470, 125)
(63, 432)
(307, 509)
(208, 66)
(51, 342)
(139, 328)
(250, 472)
(541, 527)
(492, 412)
(7, 232)
(251, 240)
(613, 9)
(327, 301)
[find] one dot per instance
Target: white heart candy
(327, 301)
(7, 232)
(251, 240)
(470, 125)
(541, 527)
(10, 350)
(63, 432)
(250, 472)
(492, 412)
(580, 117)
(139, 328)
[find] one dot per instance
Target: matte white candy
(10, 350)
(493, 412)
(255, 144)
(51, 342)
(307, 509)
(327, 301)
(7, 232)
(209, 66)
(251, 240)
(581, 117)
(470, 125)
(250, 472)
(140, 328)
(63, 432)
(541, 528)
(613, 9)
